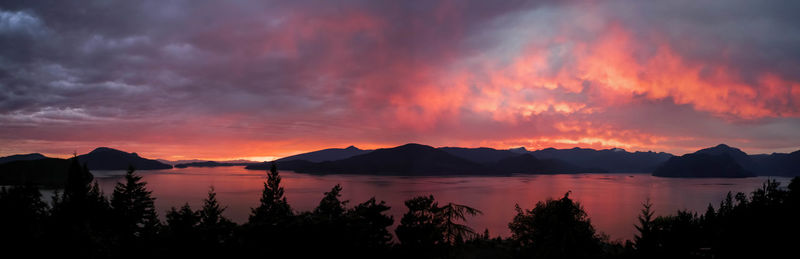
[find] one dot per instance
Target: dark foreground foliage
(82, 222)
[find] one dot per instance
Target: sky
(265, 79)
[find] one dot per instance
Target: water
(612, 201)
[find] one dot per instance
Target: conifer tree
(133, 205)
(273, 207)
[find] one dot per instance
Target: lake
(612, 201)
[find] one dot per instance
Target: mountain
(519, 150)
(330, 154)
(214, 164)
(409, 159)
(529, 164)
(738, 155)
(615, 160)
(775, 164)
(718, 161)
(482, 155)
(32, 156)
(48, 172)
(175, 162)
(778, 164)
(416, 159)
(104, 158)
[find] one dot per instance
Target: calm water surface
(612, 201)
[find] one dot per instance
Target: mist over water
(612, 201)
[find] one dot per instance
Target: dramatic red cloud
(269, 80)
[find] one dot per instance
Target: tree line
(81, 221)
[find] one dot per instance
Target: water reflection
(612, 200)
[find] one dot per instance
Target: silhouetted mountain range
(214, 164)
(529, 164)
(778, 164)
(409, 159)
(725, 161)
(480, 155)
(104, 158)
(416, 159)
(189, 161)
(612, 160)
(45, 171)
(32, 156)
(26, 169)
(719, 161)
(331, 154)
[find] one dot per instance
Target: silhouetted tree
(420, 227)
(645, 240)
(555, 229)
(216, 230)
(268, 227)
(81, 217)
(330, 206)
(22, 215)
(273, 207)
(451, 215)
(368, 225)
(182, 232)
(133, 207)
(430, 229)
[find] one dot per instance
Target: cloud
(255, 78)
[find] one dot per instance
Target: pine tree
(216, 229)
(273, 208)
(645, 240)
(453, 231)
(133, 205)
(330, 206)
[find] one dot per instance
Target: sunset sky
(259, 79)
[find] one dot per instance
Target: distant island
(412, 159)
(725, 161)
(213, 164)
(417, 159)
(104, 158)
(37, 169)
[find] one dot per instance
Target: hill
(32, 156)
(48, 172)
(778, 164)
(529, 164)
(416, 159)
(482, 155)
(213, 164)
(612, 160)
(719, 161)
(409, 159)
(104, 158)
(331, 154)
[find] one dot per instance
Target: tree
(368, 225)
(427, 226)
(215, 229)
(132, 204)
(453, 231)
(183, 222)
(645, 241)
(555, 229)
(420, 227)
(183, 233)
(273, 208)
(22, 214)
(330, 206)
(81, 220)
